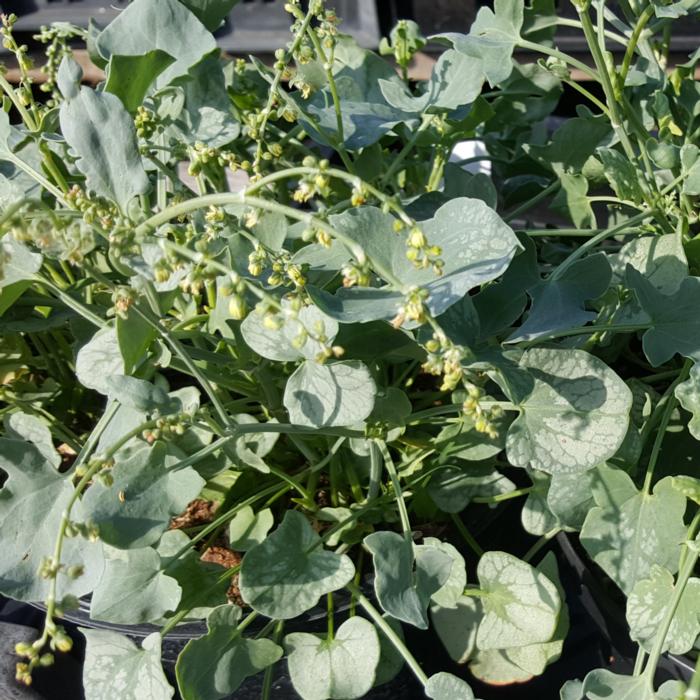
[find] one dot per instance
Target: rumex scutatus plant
(266, 345)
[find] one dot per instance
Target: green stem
(671, 402)
(267, 680)
(283, 476)
(389, 633)
(48, 186)
(522, 208)
(599, 60)
(328, 69)
(592, 242)
(501, 497)
(586, 330)
(375, 471)
(420, 416)
(352, 180)
(329, 617)
(541, 542)
(398, 492)
(68, 300)
(639, 661)
(642, 21)
(51, 598)
(408, 147)
(466, 535)
(272, 95)
(437, 170)
(588, 95)
(575, 24)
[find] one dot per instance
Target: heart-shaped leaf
(477, 247)
(341, 667)
(521, 605)
(337, 394)
(168, 25)
(559, 303)
(456, 626)
(98, 360)
(288, 572)
(575, 417)
(283, 343)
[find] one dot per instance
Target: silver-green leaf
(116, 668)
(575, 417)
(647, 606)
(629, 531)
(521, 605)
(337, 394)
(287, 573)
(342, 668)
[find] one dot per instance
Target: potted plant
(265, 348)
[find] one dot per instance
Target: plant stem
(375, 471)
(575, 24)
(389, 633)
(466, 535)
(328, 70)
(398, 493)
(541, 542)
(671, 402)
(408, 147)
(585, 330)
(599, 60)
(51, 598)
(276, 84)
(500, 497)
(68, 300)
(48, 186)
(329, 617)
(642, 20)
(588, 95)
(592, 242)
(550, 189)
(267, 680)
(224, 198)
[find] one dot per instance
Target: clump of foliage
(268, 295)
